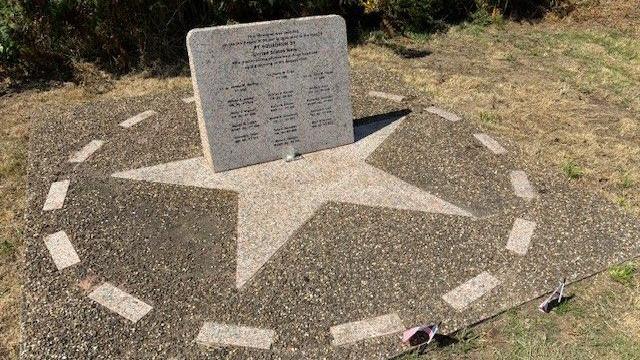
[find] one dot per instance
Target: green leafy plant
(481, 18)
(9, 14)
(423, 15)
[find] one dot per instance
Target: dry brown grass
(567, 91)
(13, 139)
(621, 15)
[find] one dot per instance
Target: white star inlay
(276, 198)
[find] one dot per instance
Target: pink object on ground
(414, 333)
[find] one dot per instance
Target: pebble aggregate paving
(167, 253)
(276, 198)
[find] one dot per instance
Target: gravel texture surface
(174, 247)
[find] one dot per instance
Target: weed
(6, 248)
(622, 201)
(488, 118)
(626, 182)
(480, 21)
(572, 170)
(623, 273)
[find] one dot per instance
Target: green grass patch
(623, 273)
(626, 182)
(467, 340)
(569, 307)
(596, 62)
(572, 170)
(530, 336)
(419, 36)
(6, 248)
(564, 308)
(482, 18)
(622, 201)
(488, 118)
(614, 43)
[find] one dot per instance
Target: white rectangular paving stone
(120, 302)
(521, 185)
(365, 329)
(443, 113)
(137, 118)
(84, 153)
(490, 143)
(189, 100)
(216, 334)
(473, 289)
(520, 236)
(57, 194)
(268, 89)
(384, 95)
(61, 250)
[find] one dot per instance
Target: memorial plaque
(268, 89)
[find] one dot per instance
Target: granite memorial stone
(266, 90)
